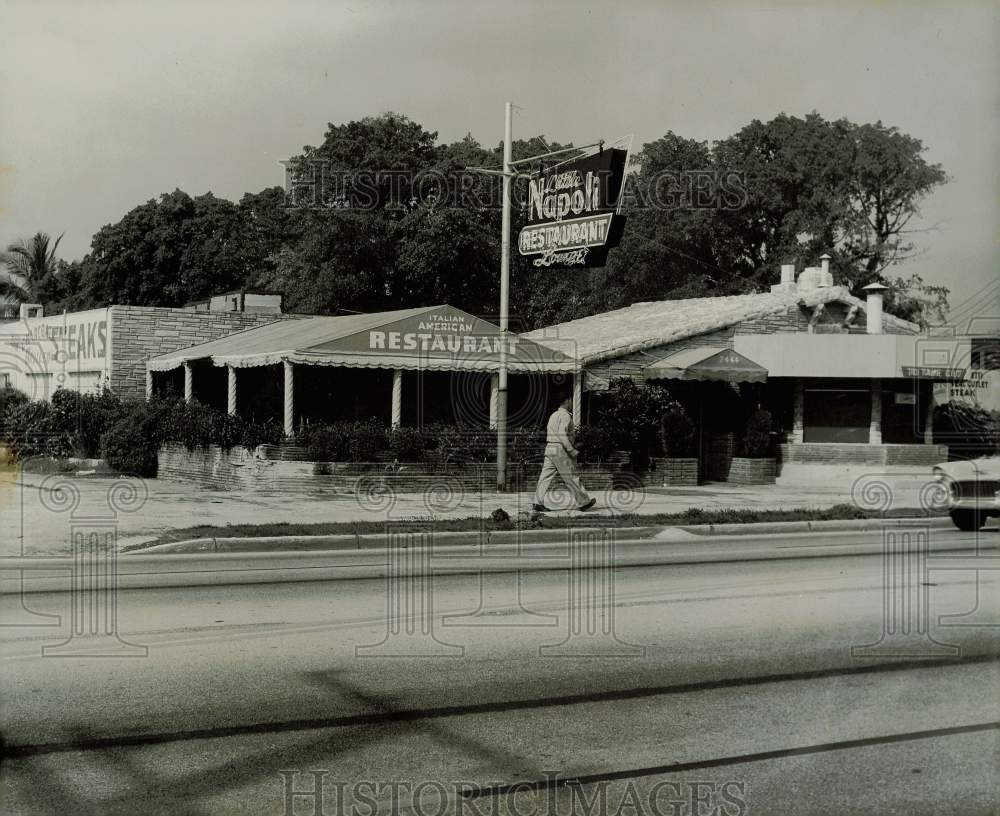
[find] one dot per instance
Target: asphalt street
(798, 686)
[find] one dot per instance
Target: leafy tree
(32, 266)
(168, 252)
(394, 227)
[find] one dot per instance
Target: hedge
(128, 435)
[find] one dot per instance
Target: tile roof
(645, 325)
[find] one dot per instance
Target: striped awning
(720, 364)
(431, 338)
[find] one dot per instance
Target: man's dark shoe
(588, 505)
(540, 508)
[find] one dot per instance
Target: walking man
(560, 457)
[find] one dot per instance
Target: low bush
(10, 398)
(130, 445)
(967, 430)
(84, 418)
(70, 425)
(756, 442)
(31, 429)
(268, 432)
(325, 442)
(631, 414)
(595, 444)
(368, 439)
(410, 444)
(677, 432)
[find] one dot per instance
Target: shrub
(677, 432)
(409, 444)
(368, 439)
(345, 441)
(524, 446)
(967, 430)
(10, 398)
(84, 418)
(756, 442)
(326, 442)
(594, 443)
(268, 432)
(31, 429)
(631, 414)
(130, 445)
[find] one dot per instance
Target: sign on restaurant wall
(71, 351)
(573, 217)
(443, 332)
(978, 388)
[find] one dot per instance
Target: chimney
(30, 310)
(809, 278)
(873, 307)
(827, 279)
(787, 284)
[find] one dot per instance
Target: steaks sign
(573, 215)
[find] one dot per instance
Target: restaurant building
(846, 383)
(405, 367)
(108, 348)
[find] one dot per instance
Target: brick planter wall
(269, 468)
(752, 471)
(671, 472)
(833, 453)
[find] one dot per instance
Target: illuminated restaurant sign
(573, 215)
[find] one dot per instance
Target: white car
(973, 490)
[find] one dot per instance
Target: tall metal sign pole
(504, 305)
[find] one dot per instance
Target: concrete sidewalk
(36, 520)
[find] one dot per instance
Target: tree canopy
(31, 269)
(385, 216)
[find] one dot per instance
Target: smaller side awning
(720, 364)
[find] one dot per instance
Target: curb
(836, 525)
(53, 574)
(353, 541)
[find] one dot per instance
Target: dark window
(837, 414)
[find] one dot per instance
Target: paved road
(727, 688)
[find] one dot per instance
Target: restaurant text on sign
(428, 341)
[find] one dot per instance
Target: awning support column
(289, 399)
(494, 396)
(798, 412)
(149, 385)
(231, 390)
(929, 419)
(188, 381)
(577, 398)
(397, 398)
(875, 430)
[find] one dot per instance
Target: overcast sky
(104, 105)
